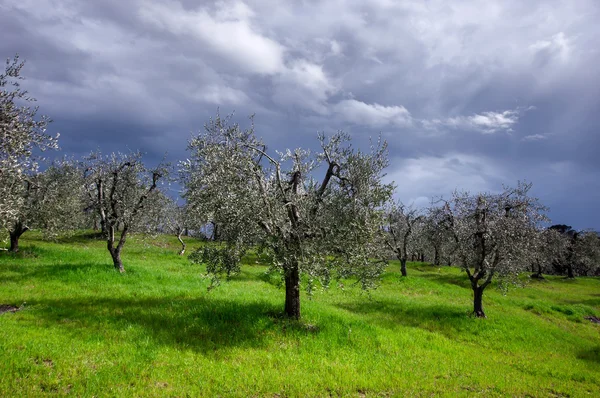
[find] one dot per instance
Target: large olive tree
(313, 213)
(494, 235)
(21, 132)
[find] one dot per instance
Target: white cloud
(488, 122)
(229, 33)
(485, 122)
(220, 95)
(558, 46)
(303, 85)
(534, 137)
(373, 115)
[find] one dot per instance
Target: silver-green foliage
(55, 199)
(494, 234)
(316, 213)
(122, 190)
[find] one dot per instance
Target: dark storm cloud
(469, 94)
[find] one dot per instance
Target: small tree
(435, 230)
(316, 226)
(400, 222)
(176, 219)
(494, 235)
(120, 186)
(21, 132)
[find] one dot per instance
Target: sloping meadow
(77, 327)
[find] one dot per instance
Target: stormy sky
(470, 94)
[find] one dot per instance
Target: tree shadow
(53, 271)
(446, 319)
(202, 324)
(457, 280)
(86, 237)
(592, 355)
(593, 302)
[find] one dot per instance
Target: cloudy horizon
(470, 95)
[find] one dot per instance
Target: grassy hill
(86, 330)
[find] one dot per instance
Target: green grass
(85, 330)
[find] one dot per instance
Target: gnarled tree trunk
(478, 301)
(292, 291)
(116, 257)
(18, 230)
(436, 256)
(403, 266)
(115, 251)
(570, 273)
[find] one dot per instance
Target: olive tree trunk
(403, 266)
(478, 301)
(115, 251)
(18, 230)
(292, 291)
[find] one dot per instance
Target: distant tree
(575, 252)
(493, 234)
(586, 255)
(176, 219)
(122, 189)
(436, 232)
(53, 202)
(317, 227)
(399, 225)
(21, 132)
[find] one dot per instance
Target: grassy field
(85, 330)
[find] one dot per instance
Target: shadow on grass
(86, 237)
(458, 280)
(446, 319)
(592, 355)
(30, 251)
(202, 324)
(59, 272)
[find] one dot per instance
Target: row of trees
(325, 214)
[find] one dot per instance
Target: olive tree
(52, 202)
(399, 226)
(494, 235)
(120, 189)
(313, 213)
(176, 219)
(435, 231)
(21, 132)
(586, 257)
(573, 252)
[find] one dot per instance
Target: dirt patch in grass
(593, 319)
(9, 308)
